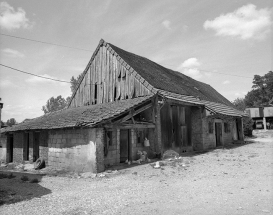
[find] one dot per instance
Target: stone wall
(3, 148)
(99, 148)
(43, 146)
(197, 131)
(113, 155)
(75, 149)
(209, 140)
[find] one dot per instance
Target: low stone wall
(74, 149)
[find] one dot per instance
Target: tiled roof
(213, 107)
(86, 116)
(169, 80)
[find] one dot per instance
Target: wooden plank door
(218, 133)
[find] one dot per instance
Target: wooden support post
(158, 145)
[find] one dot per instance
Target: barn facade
(125, 103)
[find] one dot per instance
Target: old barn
(125, 103)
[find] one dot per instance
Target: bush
(24, 178)
(248, 126)
(10, 176)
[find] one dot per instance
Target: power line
(52, 79)
(48, 43)
(38, 41)
(34, 74)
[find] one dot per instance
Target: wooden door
(124, 145)
(218, 133)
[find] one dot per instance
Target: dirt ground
(232, 180)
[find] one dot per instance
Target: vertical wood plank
(103, 72)
(114, 76)
(111, 78)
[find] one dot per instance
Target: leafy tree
(262, 90)
(54, 104)
(11, 122)
(240, 104)
(74, 82)
(2, 124)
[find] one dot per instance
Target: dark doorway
(10, 148)
(26, 147)
(125, 145)
(218, 133)
(36, 145)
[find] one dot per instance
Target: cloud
(12, 53)
(7, 83)
(35, 80)
(189, 68)
(191, 62)
(246, 22)
(167, 24)
(240, 94)
(11, 19)
(226, 82)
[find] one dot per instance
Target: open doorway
(10, 149)
(125, 146)
(218, 133)
(26, 147)
(36, 145)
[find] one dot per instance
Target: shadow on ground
(20, 186)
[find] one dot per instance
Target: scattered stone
(170, 154)
(88, 175)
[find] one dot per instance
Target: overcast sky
(199, 38)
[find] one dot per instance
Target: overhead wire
(32, 40)
(48, 43)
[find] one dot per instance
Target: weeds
(3, 175)
(34, 180)
(24, 178)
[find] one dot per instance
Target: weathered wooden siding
(175, 127)
(107, 80)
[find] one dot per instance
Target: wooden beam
(135, 112)
(130, 126)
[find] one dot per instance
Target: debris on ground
(170, 154)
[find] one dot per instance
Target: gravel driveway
(237, 180)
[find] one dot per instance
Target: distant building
(262, 117)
